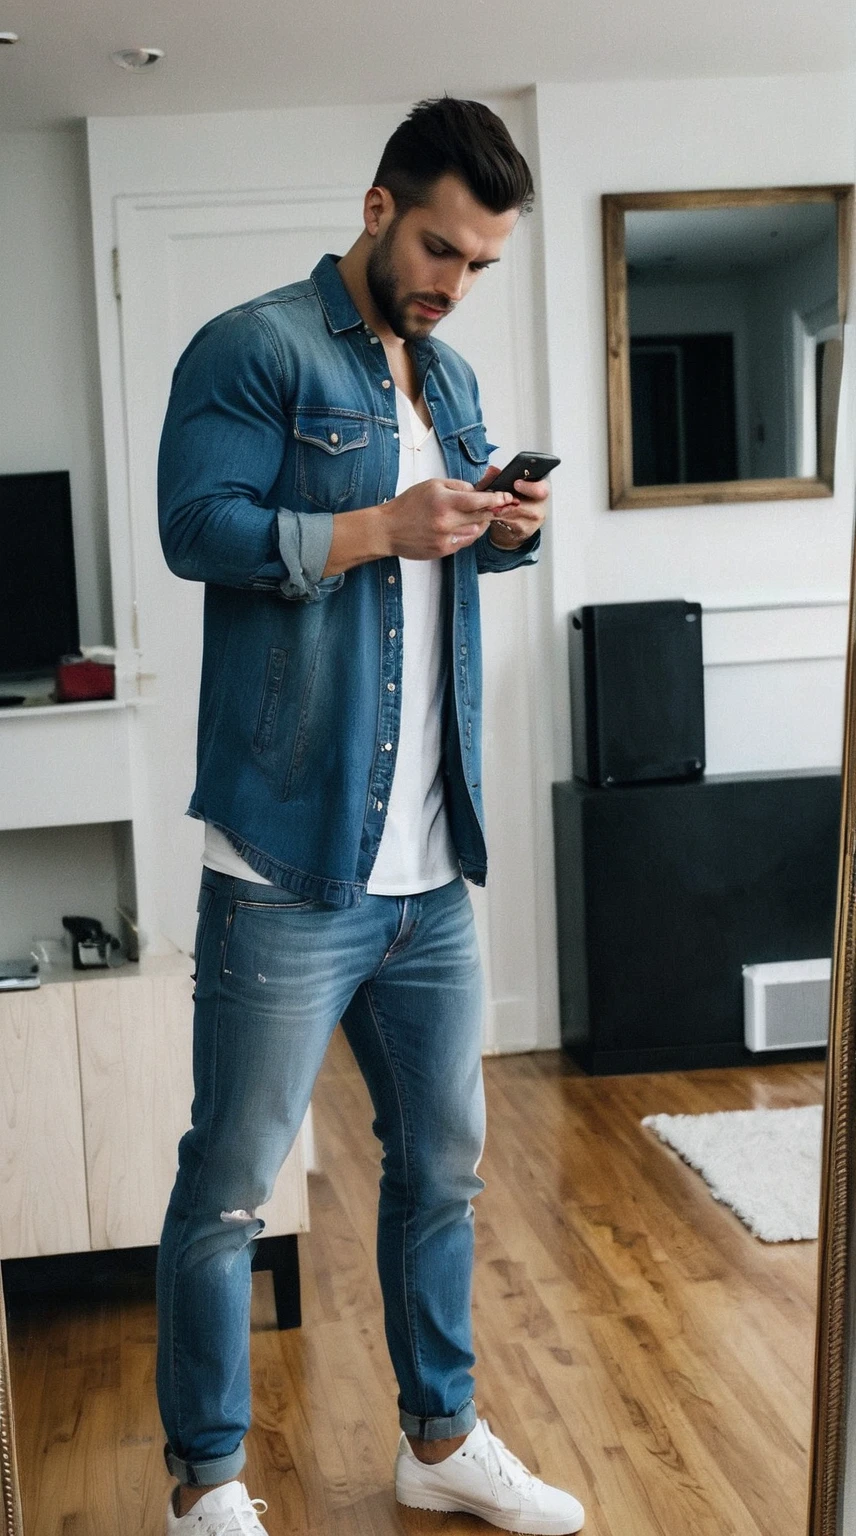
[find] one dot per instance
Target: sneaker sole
(532, 1527)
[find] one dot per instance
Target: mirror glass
(735, 343)
(725, 316)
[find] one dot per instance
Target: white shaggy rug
(764, 1163)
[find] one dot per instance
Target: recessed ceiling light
(9, 37)
(137, 58)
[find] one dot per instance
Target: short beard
(380, 278)
(381, 283)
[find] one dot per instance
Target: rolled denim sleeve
(304, 544)
(489, 556)
(220, 455)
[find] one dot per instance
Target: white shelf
(148, 966)
(65, 765)
(19, 712)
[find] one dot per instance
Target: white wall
(669, 136)
(50, 419)
(774, 701)
(49, 394)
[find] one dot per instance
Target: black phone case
(524, 466)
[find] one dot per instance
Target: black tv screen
(38, 591)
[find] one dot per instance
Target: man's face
(425, 261)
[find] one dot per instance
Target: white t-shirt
(416, 852)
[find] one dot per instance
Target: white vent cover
(786, 1005)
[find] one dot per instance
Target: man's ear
(378, 209)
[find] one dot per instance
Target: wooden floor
(636, 1343)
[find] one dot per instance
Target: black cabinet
(664, 893)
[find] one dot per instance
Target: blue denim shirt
(282, 413)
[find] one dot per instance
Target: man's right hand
(427, 521)
(437, 517)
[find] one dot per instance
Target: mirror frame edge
(829, 1407)
(9, 1482)
(623, 495)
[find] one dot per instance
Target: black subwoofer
(637, 692)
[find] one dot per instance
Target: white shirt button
(386, 383)
(393, 633)
(387, 746)
(390, 581)
(395, 436)
(379, 805)
(390, 687)
(334, 437)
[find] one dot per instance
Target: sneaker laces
(506, 1466)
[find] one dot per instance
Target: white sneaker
(225, 1511)
(483, 1478)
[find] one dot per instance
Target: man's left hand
(516, 523)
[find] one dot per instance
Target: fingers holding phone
(526, 478)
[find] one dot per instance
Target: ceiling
(680, 244)
(224, 56)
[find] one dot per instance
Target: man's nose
(454, 284)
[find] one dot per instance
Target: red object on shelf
(79, 680)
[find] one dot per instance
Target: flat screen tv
(38, 591)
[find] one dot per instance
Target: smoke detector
(137, 58)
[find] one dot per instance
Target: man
(324, 471)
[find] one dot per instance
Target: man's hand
(439, 517)
(431, 519)
(523, 518)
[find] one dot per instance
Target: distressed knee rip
(237, 1218)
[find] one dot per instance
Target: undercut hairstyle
(448, 136)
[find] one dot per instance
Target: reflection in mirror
(725, 315)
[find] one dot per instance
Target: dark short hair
(460, 138)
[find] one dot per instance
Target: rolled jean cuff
(460, 1423)
(204, 1474)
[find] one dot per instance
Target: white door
(181, 261)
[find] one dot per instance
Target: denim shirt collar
(341, 313)
(339, 309)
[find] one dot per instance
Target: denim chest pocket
(474, 450)
(330, 458)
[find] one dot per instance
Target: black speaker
(637, 692)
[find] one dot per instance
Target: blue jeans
(275, 973)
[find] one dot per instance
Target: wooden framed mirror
(724, 317)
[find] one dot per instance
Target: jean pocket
(254, 933)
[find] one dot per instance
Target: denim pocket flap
(333, 434)
(474, 443)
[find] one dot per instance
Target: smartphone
(524, 466)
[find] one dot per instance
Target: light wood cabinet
(43, 1205)
(95, 1092)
